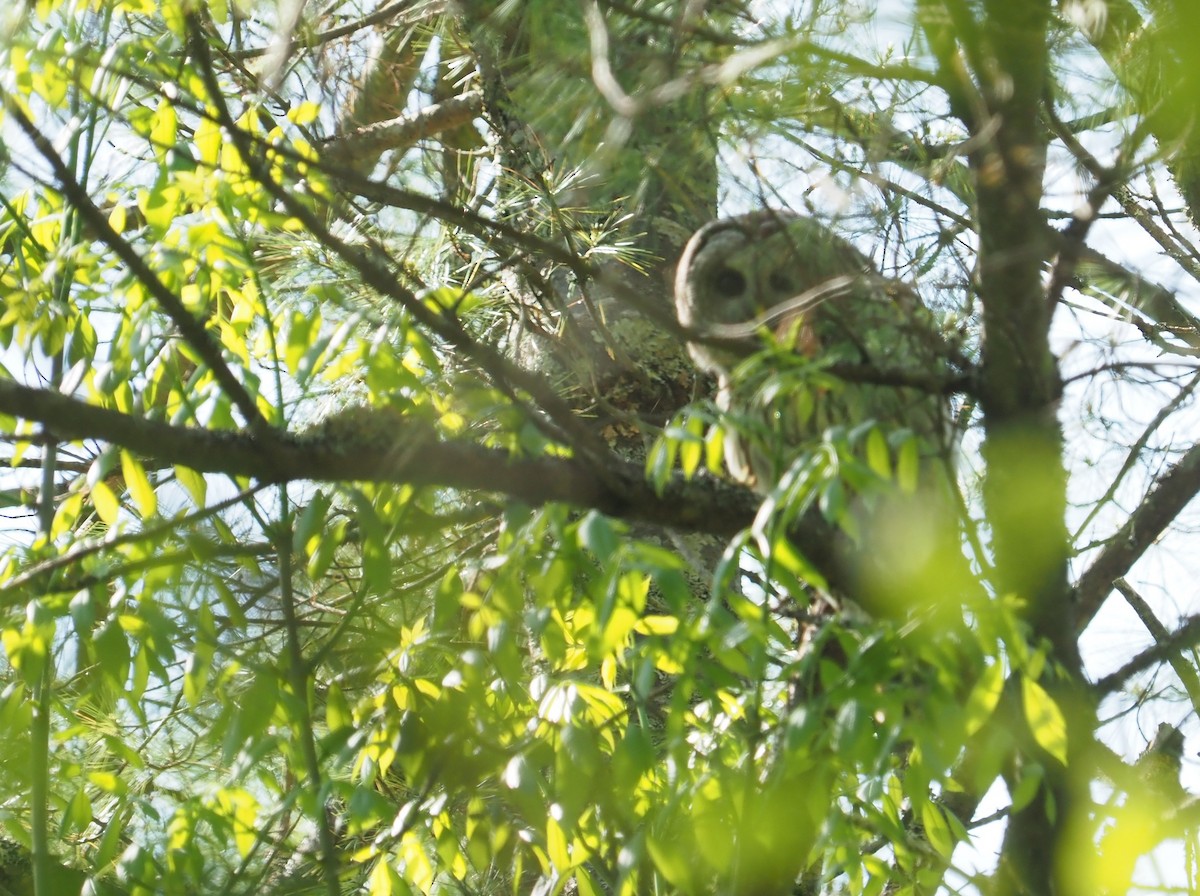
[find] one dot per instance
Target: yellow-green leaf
(67, 514)
(714, 449)
(106, 504)
(162, 129)
(337, 711)
(117, 217)
(108, 782)
(657, 625)
(941, 838)
(556, 845)
(384, 881)
(1045, 719)
(304, 113)
(207, 141)
(139, 484)
(690, 452)
(196, 484)
(878, 457)
(908, 465)
(984, 697)
(160, 205)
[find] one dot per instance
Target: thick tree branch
(1135, 451)
(403, 131)
(1171, 493)
(402, 450)
(1024, 487)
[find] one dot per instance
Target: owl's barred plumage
(849, 345)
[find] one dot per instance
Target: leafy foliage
(368, 528)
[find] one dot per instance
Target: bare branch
(389, 447)
(86, 548)
(1185, 670)
(1171, 493)
(1187, 635)
(405, 130)
(1136, 450)
(396, 13)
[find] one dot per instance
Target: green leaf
(78, 814)
(337, 710)
(108, 782)
(82, 347)
(597, 535)
(108, 508)
(833, 500)
(984, 697)
(675, 861)
(659, 461)
(311, 521)
(941, 838)
(908, 466)
(195, 678)
(322, 548)
(162, 129)
(1045, 719)
(299, 340)
(110, 841)
(1028, 784)
(195, 484)
(112, 652)
(583, 881)
(878, 456)
(139, 485)
(376, 559)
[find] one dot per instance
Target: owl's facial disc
(794, 329)
(729, 283)
(781, 283)
(742, 296)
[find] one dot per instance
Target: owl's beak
(796, 330)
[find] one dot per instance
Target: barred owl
(856, 342)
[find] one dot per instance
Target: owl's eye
(729, 283)
(780, 282)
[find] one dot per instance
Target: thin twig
(192, 329)
(1187, 635)
(1185, 670)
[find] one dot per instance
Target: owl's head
(735, 270)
